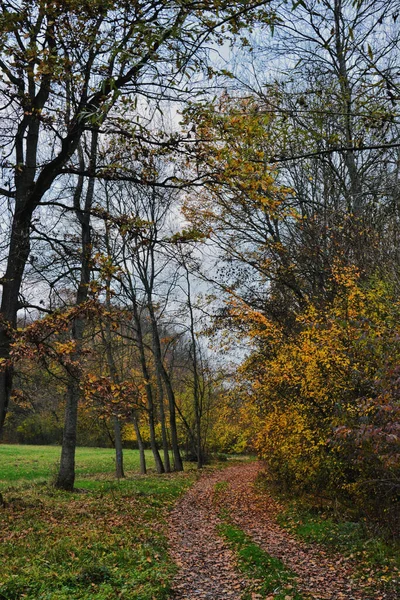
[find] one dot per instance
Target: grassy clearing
(269, 576)
(106, 542)
(378, 559)
(23, 464)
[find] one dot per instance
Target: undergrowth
(378, 560)
(376, 555)
(106, 542)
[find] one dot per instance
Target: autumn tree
(332, 91)
(149, 282)
(65, 66)
(329, 142)
(82, 207)
(300, 208)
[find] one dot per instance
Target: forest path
(206, 564)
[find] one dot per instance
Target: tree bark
(149, 391)
(107, 338)
(66, 474)
(167, 462)
(178, 464)
(119, 457)
(142, 455)
(196, 395)
(19, 252)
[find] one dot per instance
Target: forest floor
(105, 541)
(227, 543)
(185, 536)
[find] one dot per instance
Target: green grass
(219, 490)
(378, 559)
(22, 464)
(268, 574)
(106, 542)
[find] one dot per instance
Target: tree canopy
(200, 247)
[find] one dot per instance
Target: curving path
(206, 564)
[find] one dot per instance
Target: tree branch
(316, 153)
(7, 193)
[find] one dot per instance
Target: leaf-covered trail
(207, 565)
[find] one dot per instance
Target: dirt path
(206, 564)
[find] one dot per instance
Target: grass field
(22, 464)
(106, 542)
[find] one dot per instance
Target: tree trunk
(107, 339)
(66, 475)
(149, 390)
(119, 459)
(178, 464)
(142, 455)
(167, 463)
(18, 255)
(196, 395)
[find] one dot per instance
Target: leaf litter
(207, 567)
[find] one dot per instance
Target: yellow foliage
(288, 442)
(229, 432)
(320, 377)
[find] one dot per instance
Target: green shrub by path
(103, 543)
(267, 574)
(19, 464)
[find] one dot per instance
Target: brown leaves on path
(207, 565)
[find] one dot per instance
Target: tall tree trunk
(66, 474)
(196, 383)
(19, 252)
(27, 198)
(119, 457)
(107, 338)
(178, 464)
(142, 455)
(167, 463)
(149, 391)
